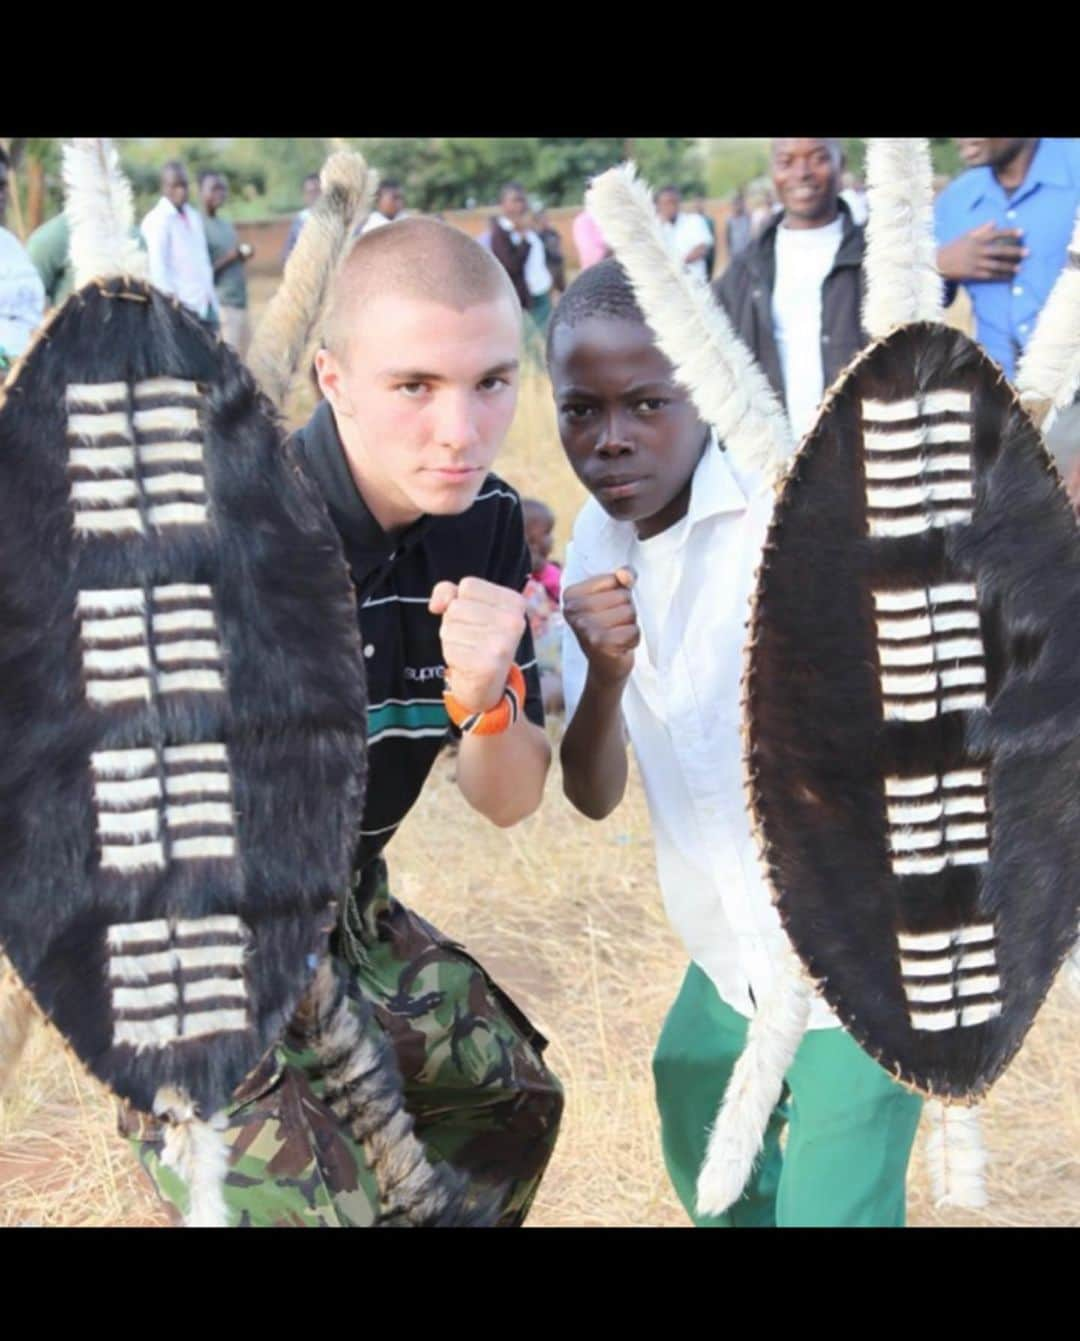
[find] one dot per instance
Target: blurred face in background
(174, 186)
(515, 206)
(667, 205)
(312, 191)
(806, 177)
(215, 192)
(391, 201)
(979, 153)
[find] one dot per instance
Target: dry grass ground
(567, 915)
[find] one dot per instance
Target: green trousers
(850, 1127)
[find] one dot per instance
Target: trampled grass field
(566, 914)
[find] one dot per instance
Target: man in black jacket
(795, 293)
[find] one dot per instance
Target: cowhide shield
(913, 710)
(181, 700)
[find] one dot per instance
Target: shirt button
(1023, 325)
(1010, 214)
(369, 650)
(1018, 289)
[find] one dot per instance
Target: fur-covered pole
(100, 211)
(364, 1089)
(754, 1089)
(902, 280)
(956, 1156)
(199, 1153)
(728, 387)
(292, 318)
(1049, 374)
(16, 1017)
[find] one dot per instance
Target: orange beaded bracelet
(496, 720)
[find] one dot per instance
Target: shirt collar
(1048, 167)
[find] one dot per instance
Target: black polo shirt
(394, 575)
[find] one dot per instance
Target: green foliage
(734, 164)
(458, 173)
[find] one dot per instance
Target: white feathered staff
(285, 336)
(1048, 377)
(100, 211)
(732, 393)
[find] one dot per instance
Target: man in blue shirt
(1003, 229)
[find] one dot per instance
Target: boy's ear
(329, 375)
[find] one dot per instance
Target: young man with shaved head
(795, 293)
(419, 371)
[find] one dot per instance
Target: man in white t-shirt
(176, 246)
(795, 294)
(686, 234)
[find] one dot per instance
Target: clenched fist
(482, 625)
(601, 612)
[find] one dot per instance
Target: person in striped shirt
(418, 371)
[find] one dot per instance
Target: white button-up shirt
(684, 720)
(682, 234)
(22, 296)
(179, 258)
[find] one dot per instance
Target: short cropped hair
(602, 290)
(835, 147)
(417, 258)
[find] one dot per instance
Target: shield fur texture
(913, 711)
(182, 704)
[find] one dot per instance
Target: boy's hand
(601, 613)
(482, 625)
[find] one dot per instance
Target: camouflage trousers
(474, 1082)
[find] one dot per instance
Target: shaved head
(417, 258)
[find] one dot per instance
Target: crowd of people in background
(791, 279)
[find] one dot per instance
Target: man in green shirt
(228, 256)
(48, 248)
